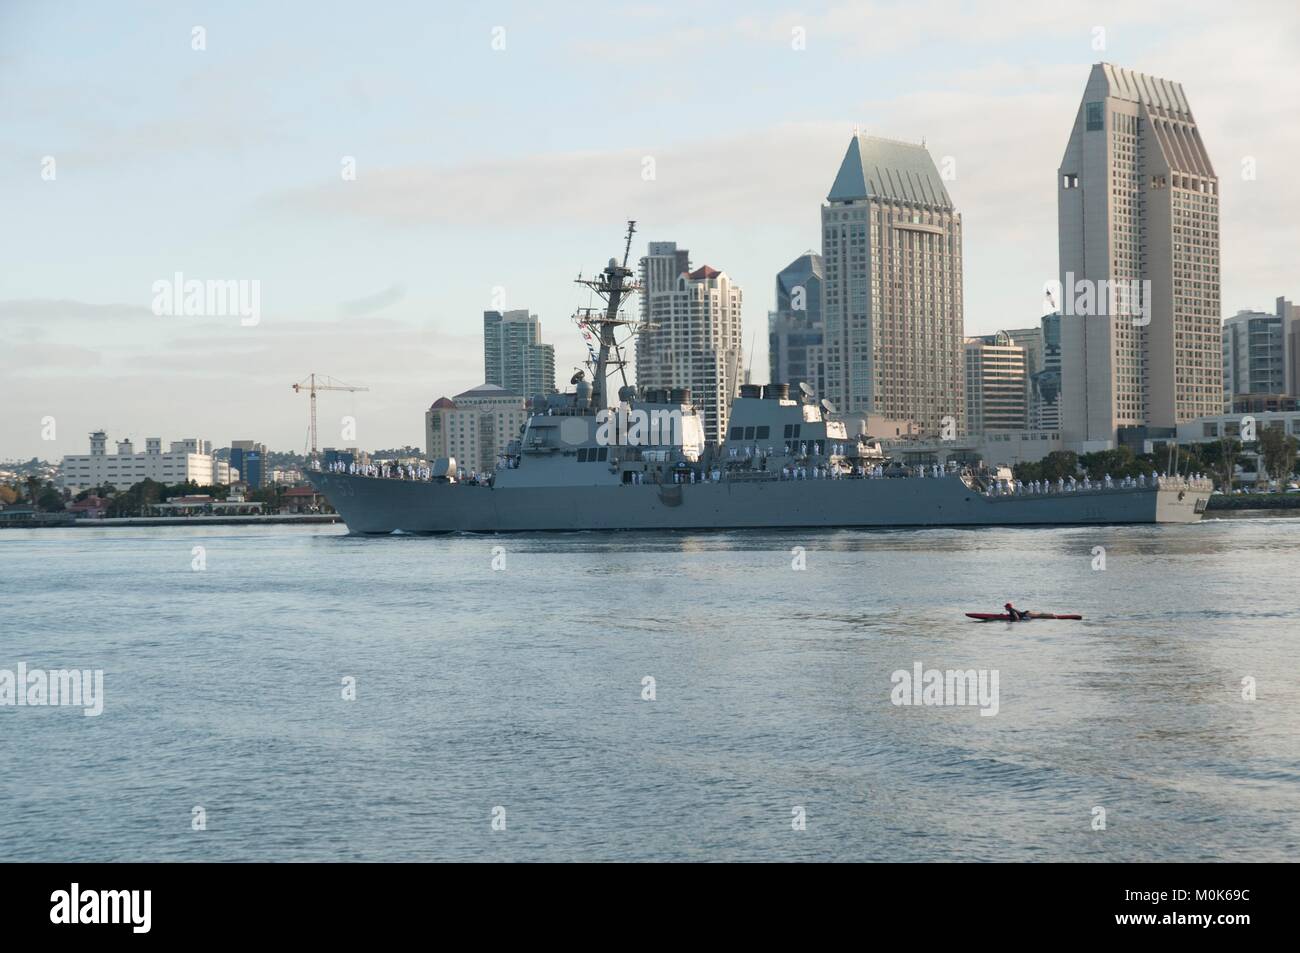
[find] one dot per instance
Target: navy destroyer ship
(642, 464)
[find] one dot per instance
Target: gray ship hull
(372, 505)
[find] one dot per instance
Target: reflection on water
(522, 688)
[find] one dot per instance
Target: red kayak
(1004, 617)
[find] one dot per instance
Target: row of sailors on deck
(384, 471)
(803, 449)
(792, 473)
(787, 473)
(1071, 485)
(682, 476)
(637, 477)
(811, 473)
(877, 472)
(388, 471)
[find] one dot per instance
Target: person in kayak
(1016, 614)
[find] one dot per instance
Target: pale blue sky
(479, 168)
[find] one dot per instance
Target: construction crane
(311, 387)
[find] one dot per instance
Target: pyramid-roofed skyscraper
(892, 306)
(1138, 209)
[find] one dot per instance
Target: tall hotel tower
(1138, 203)
(893, 340)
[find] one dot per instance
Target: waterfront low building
(1219, 426)
(204, 505)
(304, 499)
(92, 507)
(1245, 428)
(188, 460)
(16, 514)
(995, 448)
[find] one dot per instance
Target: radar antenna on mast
(613, 284)
(627, 248)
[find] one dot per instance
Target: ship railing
(410, 473)
(1196, 481)
(752, 476)
(1002, 489)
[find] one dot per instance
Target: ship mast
(613, 284)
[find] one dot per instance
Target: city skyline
(193, 176)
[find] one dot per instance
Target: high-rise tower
(514, 356)
(794, 329)
(690, 335)
(892, 310)
(1139, 258)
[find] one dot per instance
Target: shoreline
(326, 519)
(52, 521)
(1250, 502)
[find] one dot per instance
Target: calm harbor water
(521, 688)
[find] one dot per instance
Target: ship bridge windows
(791, 430)
(593, 454)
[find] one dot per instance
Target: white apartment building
(691, 335)
(187, 460)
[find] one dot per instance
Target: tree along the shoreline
(136, 500)
(1277, 452)
(1217, 458)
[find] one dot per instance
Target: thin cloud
(358, 307)
(63, 309)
